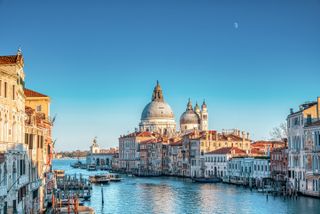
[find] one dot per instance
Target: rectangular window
(38, 108)
(5, 89)
(13, 92)
(0, 87)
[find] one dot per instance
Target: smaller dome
(189, 117)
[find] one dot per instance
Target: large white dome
(158, 116)
(157, 110)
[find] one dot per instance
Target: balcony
(23, 180)
(35, 184)
(3, 191)
(5, 146)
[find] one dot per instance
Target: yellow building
(38, 102)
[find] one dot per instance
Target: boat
(114, 178)
(76, 164)
(207, 180)
(92, 167)
(99, 179)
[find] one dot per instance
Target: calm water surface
(176, 195)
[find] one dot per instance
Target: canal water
(176, 195)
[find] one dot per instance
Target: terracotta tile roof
(30, 93)
(227, 150)
(176, 143)
(149, 141)
(8, 59)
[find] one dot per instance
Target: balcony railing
(23, 180)
(6, 146)
(35, 184)
(3, 191)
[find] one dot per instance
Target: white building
(261, 170)
(216, 162)
(299, 153)
(100, 158)
(249, 170)
(14, 164)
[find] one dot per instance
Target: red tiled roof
(149, 141)
(8, 59)
(227, 150)
(30, 93)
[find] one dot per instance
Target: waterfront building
(100, 158)
(25, 141)
(300, 153)
(129, 148)
(279, 166)
(249, 171)
(312, 158)
(261, 171)
(150, 158)
(176, 156)
(216, 162)
(38, 142)
(14, 167)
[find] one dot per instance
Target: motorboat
(115, 178)
(99, 179)
(92, 167)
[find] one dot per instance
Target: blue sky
(99, 60)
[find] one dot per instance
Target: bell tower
(204, 117)
(157, 93)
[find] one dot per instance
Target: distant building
(100, 158)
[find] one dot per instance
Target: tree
(280, 132)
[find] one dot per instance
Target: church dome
(189, 116)
(157, 110)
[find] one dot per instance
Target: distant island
(71, 154)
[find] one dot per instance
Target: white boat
(114, 177)
(99, 179)
(92, 167)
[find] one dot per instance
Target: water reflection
(174, 195)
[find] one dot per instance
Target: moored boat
(76, 164)
(207, 180)
(92, 167)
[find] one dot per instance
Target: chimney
(291, 110)
(243, 136)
